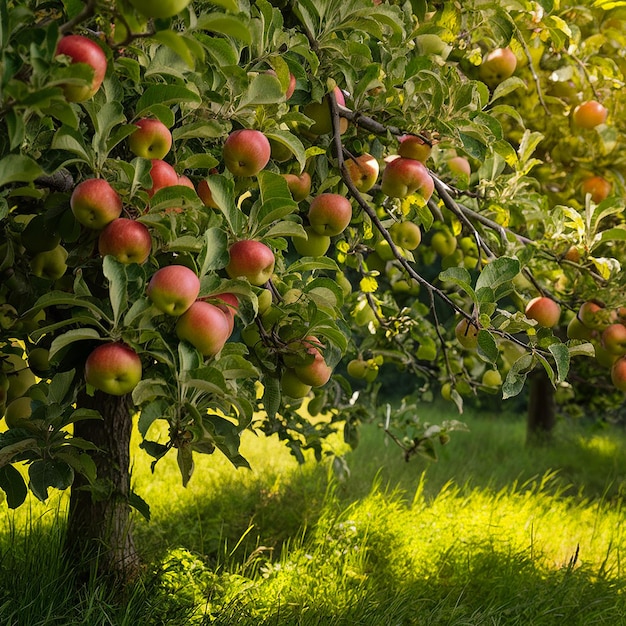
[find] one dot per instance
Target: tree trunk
(541, 409)
(99, 534)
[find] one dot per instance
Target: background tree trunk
(99, 533)
(541, 417)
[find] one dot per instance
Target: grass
(491, 534)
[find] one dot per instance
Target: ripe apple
(467, 334)
(185, 181)
(151, 140)
(618, 374)
(589, 114)
(83, 50)
(299, 186)
(319, 112)
(314, 244)
(292, 386)
(204, 193)
(614, 339)
(330, 214)
(127, 240)
(414, 147)
(229, 303)
(590, 314)
(598, 187)
(497, 65)
(459, 166)
(160, 8)
(363, 171)
(173, 289)
(407, 235)
(246, 152)
(317, 372)
(544, 310)
(113, 368)
(162, 175)
(95, 203)
(403, 177)
(252, 260)
(205, 326)
(444, 243)
(50, 264)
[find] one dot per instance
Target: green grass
(493, 533)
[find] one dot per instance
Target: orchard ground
(492, 533)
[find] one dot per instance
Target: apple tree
(214, 213)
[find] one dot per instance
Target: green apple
(467, 334)
(577, 330)
(39, 360)
(357, 368)
(8, 316)
(81, 49)
(18, 411)
(330, 214)
(95, 203)
(151, 140)
(173, 289)
(492, 378)
(252, 260)
(205, 326)
(407, 235)
(160, 8)
(430, 44)
(319, 112)
(314, 244)
(443, 243)
(459, 166)
(129, 241)
(264, 301)
(292, 386)
(246, 152)
(51, 264)
(113, 368)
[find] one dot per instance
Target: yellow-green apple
(173, 289)
(8, 316)
(205, 326)
(363, 171)
(577, 330)
(113, 368)
(618, 374)
(544, 310)
(151, 140)
(407, 235)
(330, 214)
(299, 186)
(264, 301)
(497, 65)
(429, 44)
(598, 187)
(50, 264)
(357, 368)
(589, 114)
(160, 8)
(403, 177)
(614, 339)
(19, 375)
(319, 112)
(467, 334)
(95, 203)
(81, 49)
(162, 175)
(127, 240)
(280, 152)
(246, 152)
(316, 372)
(492, 378)
(459, 166)
(313, 245)
(39, 360)
(603, 356)
(39, 235)
(590, 314)
(204, 193)
(385, 252)
(17, 411)
(414, 147)
(443, 243)
(292, 386)
(252, 260)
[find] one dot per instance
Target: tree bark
(541, 417)
(99, 533)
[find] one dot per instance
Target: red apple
(590, 315)
(614, 339)
(403, 177)
(330, 214)
(246, 152)
(363, 171)
(204, 192)
(299, 186)
(173, 289)
(113, 368)
(589, 114)
(414, 147)
(252, 260)
(292, 84)
(598, 187)
(317, 372)
(618, 374)
(127, 240)
(498, 65)
(151, 140)
(319, 112)
(205, 326)
(544, 310)
(229, 303)
(95, 203)
(185, 181)
(83, 50)
(162, 175)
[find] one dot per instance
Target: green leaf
(225, 25)
(561, 355)
(140, 505)
(500, 272)
(460, 277)
(263, 89)
(13, 485)
(291, 142)
(71, 336)
(115, 272)
(223, 193)
(174, 41)
(7, 453)
(516, 378)
(18, 168)
(164, 95)
(155, 410)
(46, 473)
(79, 462)
(214, 254)
(271, 396)
(311, 263)
(487, 346)
(184, 458)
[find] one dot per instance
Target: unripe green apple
(160, 8)
(330, 214)
(292, 386)
(8, 316)
(589, 114)
(205, 326)
(319, 112)
(384, 251)
(414, 147)
(246, 152)
(173, 289)
(113, 368)
(151, 140)
(252, 260)
(577, 330)
(429, 44)
(264, 300)
(51, 264)
(39, 361)
(407, 235)
(492, 378)
(357, 368)
(95, 203)
(544, 310)
(443, 243)
(299, 186)
(363, 171)
(403, 177)
(39, 235)
(459, 166)
(603, 357)
(314, 245)
(497, 66)
(83, 50)
(467, 334)
(127, 240)
(17, 411)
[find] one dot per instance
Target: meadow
(492, 533)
